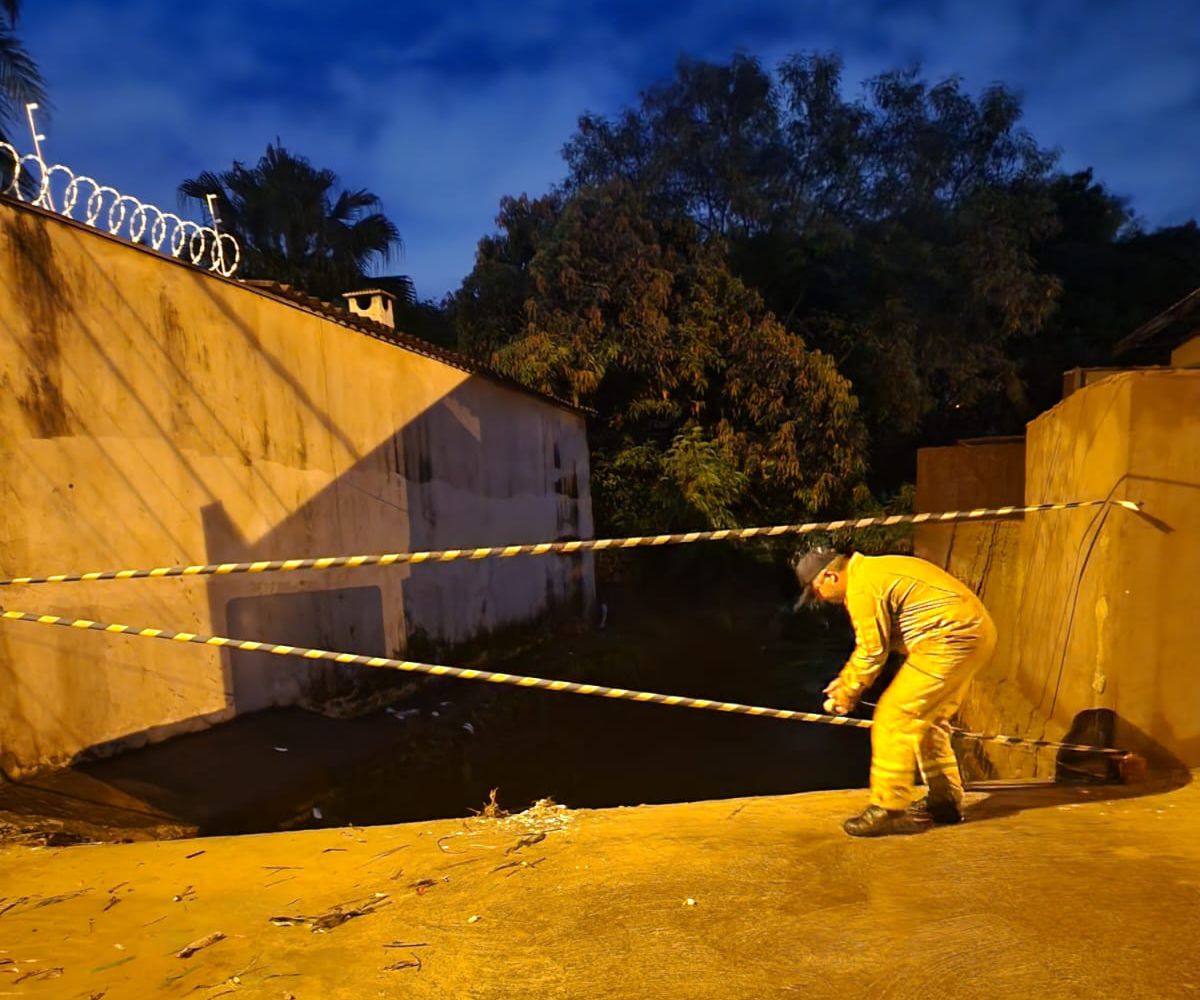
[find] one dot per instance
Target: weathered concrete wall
(1096, 607)
(963, 477)
(153, 414)
(1187, 354)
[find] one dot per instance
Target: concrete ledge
(1044, 893)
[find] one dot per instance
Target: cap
(807, 567)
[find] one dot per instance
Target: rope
(492, 677)
(543, 548)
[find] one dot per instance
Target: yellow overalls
(900, 604)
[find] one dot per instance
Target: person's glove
(841, 700)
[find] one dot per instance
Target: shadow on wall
(1086, 777)
(446, 479)
(1105, 728)
(162, 415)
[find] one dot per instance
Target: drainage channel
(441, 755)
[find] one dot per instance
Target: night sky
(441, 108)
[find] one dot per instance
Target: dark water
(597, 752)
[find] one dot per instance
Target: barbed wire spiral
(58, 189)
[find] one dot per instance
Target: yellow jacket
(901, 604)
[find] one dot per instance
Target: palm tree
(20, 79)
(291, 227)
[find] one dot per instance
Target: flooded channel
(598, 752)
(441, 754)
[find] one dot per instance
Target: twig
(402, 944)
(52, 900)
(384, 854)
(396, 966)
(524, 864)
(39, 974)
(197, 945)
(336, 916)
(194, 854)
(533, 838)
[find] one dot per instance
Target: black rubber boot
(941, 811)
(875, 821)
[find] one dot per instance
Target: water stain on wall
(44, 286)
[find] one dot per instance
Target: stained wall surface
(1097, 607)
(154, 414)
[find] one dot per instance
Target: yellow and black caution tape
(544, 548)
(492, 677)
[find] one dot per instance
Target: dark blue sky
(441, 108)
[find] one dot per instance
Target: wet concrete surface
(1049, 893)
(440, 755)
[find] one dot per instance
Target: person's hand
(840, 700)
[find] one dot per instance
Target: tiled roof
(381, 331)
(1165, 326)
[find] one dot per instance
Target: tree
(291, 226)
(20, 82)
(709, 412)
(1114, 277)
(894, 231)
(20, 79)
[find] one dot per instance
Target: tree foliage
(293, 227)
(20, 79)
(20, 83)
(709, 410)
(895, 230)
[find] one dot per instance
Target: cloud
(441, 109)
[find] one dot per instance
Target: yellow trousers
(927, 690)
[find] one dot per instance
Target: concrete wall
(962, 477)
(1187, 354)
(154, 414)
(1097, 607)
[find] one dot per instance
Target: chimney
(372, 303)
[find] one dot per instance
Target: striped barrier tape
(492, 677)
(543, 548)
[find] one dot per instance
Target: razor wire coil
(60, 190)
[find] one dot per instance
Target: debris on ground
(335, 916)
(425, 884)
(407, 714)
(200, 944)
(544, 816)
(533, 838)
(38, 974)
(493, 809)
(52, 900)
(413, 963)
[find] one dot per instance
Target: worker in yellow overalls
(905, 605)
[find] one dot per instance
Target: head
(821, 573)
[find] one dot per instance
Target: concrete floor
(1045, 893)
